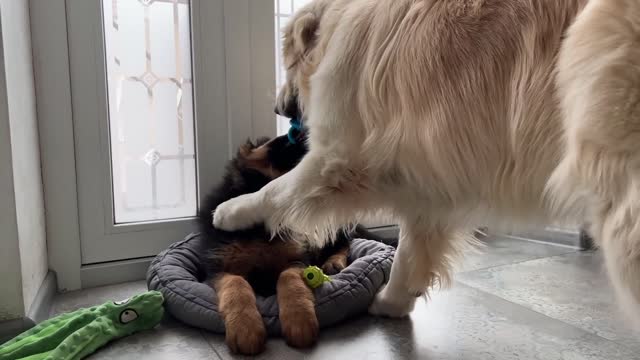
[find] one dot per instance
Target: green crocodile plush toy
(77, 334)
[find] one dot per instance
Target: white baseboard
(39, 310)
(114, 272)
(9, 329)
(41, 306)
(551, 235)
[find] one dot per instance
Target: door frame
(239, 34)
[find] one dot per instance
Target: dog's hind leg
(599, 87)
(421, 261)
(620, 242)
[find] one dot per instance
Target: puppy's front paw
(238, 214)
(246, 334)
(299, 326)
(334, 265)
(392, 305)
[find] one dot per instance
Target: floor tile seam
(458, 282)
(541, 242)
(516, 262)
(202, 335)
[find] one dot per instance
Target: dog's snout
(289, 108)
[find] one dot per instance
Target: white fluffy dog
(452, 114)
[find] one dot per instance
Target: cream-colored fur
(451, 114)
(599, 87)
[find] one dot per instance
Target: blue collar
(296, 126)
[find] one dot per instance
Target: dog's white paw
(392, 305)
(238, 214)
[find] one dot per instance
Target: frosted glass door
(150, 96)
(150, 120)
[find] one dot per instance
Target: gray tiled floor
(518, 300)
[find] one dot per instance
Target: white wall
(11, 301)
(25, 151)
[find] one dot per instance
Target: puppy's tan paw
(299, 326)
(246, 335)
(334, 266)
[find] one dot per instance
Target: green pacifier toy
(314, 277)
(77, 334)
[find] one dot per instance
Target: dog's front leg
(421, 261)
(316, 197)
(243, 211)
(247, 210)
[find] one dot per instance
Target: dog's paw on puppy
(237, 214)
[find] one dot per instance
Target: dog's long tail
(599, 87)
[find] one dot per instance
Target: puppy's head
(253, 167)
(299, 41)
(271, 157)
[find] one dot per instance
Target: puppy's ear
(257, 158)
(262, 140)
(245, 149)
(305, 32)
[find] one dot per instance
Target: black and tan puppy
(242, 264)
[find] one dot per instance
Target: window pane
(148, 56)
(284, 10)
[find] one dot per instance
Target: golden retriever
(451, 114)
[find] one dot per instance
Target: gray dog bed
(177, 272)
